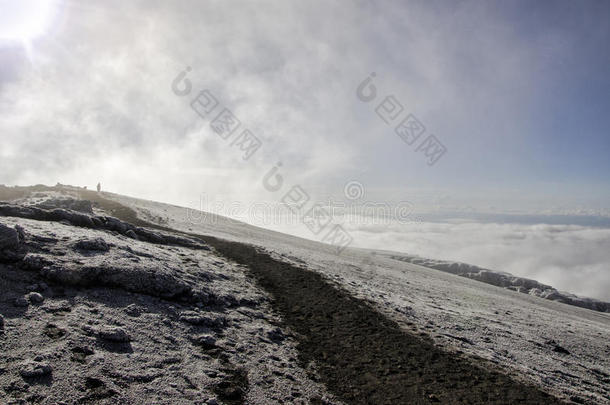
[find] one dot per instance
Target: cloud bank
(568, 257)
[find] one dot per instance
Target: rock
(10, 251)
(33, 262)
(205, 341)
(560, 350)
(114, 224)
(21, 302)
(1, 322)
(151, 236)
(130, 233)
(80, 353)
(192, 317)
(114, 334)
(133, 310)
(35, 298)
(276, 335)
(164, 281)
(97, 389)
(33, 369)
(556, 347)
(97, 222)
(54, 332)
(196, 318)
(20, 232)
(96, 244)
(9, 238)
(72, 218)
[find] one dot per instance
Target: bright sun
(24, 20)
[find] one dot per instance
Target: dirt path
(361, 356)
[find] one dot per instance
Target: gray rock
(10, 245)
(114, 224)
(73, 218)
(96, 244)
(206, 341)
(35, 298)
(196, 318)
(20, 232)
(9, 238)
(133, 310)
(33, 369)
(97, 222)
(162, 281)
(151, 236)
(34, 262)
(276, 335)
(1, 322)
(130, 233)
(114, 334)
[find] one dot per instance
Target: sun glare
(25, 20)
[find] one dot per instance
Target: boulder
(35, 298)
(114, 334)
(95, 244)
(34, 369)
(11, 249)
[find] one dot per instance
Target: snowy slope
(94, 315)
(562, 348)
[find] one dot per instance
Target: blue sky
(544, 120)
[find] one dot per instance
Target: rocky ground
(94, 316)
(89, 286)
(521, 334)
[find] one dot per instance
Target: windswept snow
(96, 316)
(564, 349)
(112, 311)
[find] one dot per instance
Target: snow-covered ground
(101, 316)
(562, 348)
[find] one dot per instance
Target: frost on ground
(507, 280)
(114, 311)
(94, 315)
(561, 348)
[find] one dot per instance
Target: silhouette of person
(99, 187)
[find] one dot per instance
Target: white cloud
(568, 257)
(95, 104)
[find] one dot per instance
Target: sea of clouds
(571, 258)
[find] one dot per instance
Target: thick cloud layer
(568, 257)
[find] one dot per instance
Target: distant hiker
(99, 187)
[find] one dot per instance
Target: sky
(516, 92)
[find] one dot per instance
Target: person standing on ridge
(99, 187)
